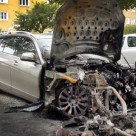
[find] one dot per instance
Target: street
(24, 123)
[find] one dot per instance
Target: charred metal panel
(88, 26)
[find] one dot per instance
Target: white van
(128, 56)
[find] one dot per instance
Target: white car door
(25, 75)
(5, 61)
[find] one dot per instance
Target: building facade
(8, 9)
(130, 16)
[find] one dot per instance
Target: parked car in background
(128, 56)
(4, 32)
(22, 57)
(44, 41)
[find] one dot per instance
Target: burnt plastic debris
(26, 108)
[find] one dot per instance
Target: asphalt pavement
(24, 123)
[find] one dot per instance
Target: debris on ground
(98, 126)
(25, 108)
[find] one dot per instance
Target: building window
(3, 16)
(127, 21)
(130, 21)
(133, 21)
(3, 1)
(132, 10)
(24, 2)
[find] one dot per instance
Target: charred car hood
(88, 26)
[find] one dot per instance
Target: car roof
(30, 35)
(41, 36)
(126, 35)
(8, 35)
(19, 32)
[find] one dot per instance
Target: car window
(1, 44)
(9, 45)
(24, 44)
(45, 46)
(131, 41)
(16, 45)
(123, 41)
(44, 42)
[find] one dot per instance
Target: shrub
(130, 29)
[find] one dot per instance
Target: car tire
(73, 100)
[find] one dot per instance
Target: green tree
(40, 17)
(22, 21)
(125, 4)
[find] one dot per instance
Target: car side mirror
(28, 56)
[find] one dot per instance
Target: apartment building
(130, 16)
(8, 9)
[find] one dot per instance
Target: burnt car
(69, 78)
(80, 86)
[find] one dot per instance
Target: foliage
(57, 1)
(40, 17)
(129, 29)
(0, 29)
(22, 20)
(125, 4)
